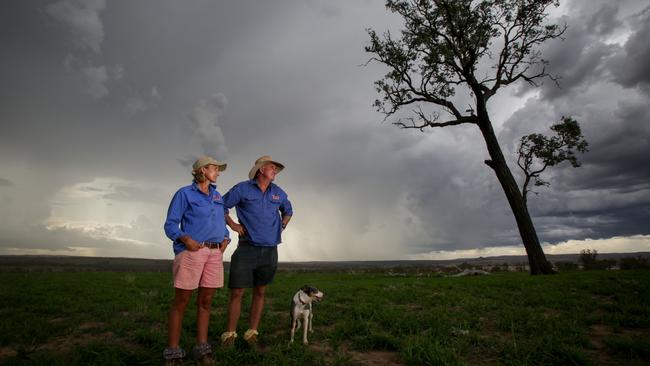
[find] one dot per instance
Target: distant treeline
(29, 263)
(589, 260)
(81, 264)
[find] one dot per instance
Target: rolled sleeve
(286, 208)
(231, 198)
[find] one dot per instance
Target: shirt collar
(254, 183)
(211, 188)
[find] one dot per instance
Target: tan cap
(260, 162)
(206, 160)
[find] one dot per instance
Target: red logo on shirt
(217, 197)
(275, 197)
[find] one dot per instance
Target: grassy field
(574, 318)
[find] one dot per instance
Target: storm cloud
(102, 100)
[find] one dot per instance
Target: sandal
(228, 339)
(251, 338)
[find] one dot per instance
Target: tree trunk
(536, 258)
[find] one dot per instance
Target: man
(263, 210)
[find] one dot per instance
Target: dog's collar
(300, 297)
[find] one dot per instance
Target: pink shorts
(202, 268)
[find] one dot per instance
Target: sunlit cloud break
(617, 244)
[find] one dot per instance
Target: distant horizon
(337, 261)
(633, 244)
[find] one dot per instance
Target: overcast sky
(104, 105)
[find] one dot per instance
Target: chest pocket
(200, 203)
(201, 207)
(251, 198)
(275, 200)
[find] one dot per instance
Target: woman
(196, 225)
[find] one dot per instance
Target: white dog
(301, 309)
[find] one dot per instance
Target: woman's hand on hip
(191, 244)
(224, 245)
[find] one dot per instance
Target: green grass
(105, 318)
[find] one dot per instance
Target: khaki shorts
(202, 268)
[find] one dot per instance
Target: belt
(243, 242)
(211, 244)
(246, 243)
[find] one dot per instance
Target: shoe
(173, 356)
(251, 338)
(203, 354)
(228, 339)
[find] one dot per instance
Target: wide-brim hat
(260, 162)
(207, 160)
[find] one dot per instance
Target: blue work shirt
(259, 211)
(199, 215)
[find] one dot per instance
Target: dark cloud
(630, 66)
(609, 194)
(604, 21)
(577, 61)
(618, 142)
(589, 51)
(5, 182)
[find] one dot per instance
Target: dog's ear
(309, 290)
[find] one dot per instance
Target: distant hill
(29, 263)
(37, 263)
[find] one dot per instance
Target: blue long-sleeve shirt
(259, 212)
(192, 212)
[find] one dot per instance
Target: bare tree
(439, 50)
(538, 152)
